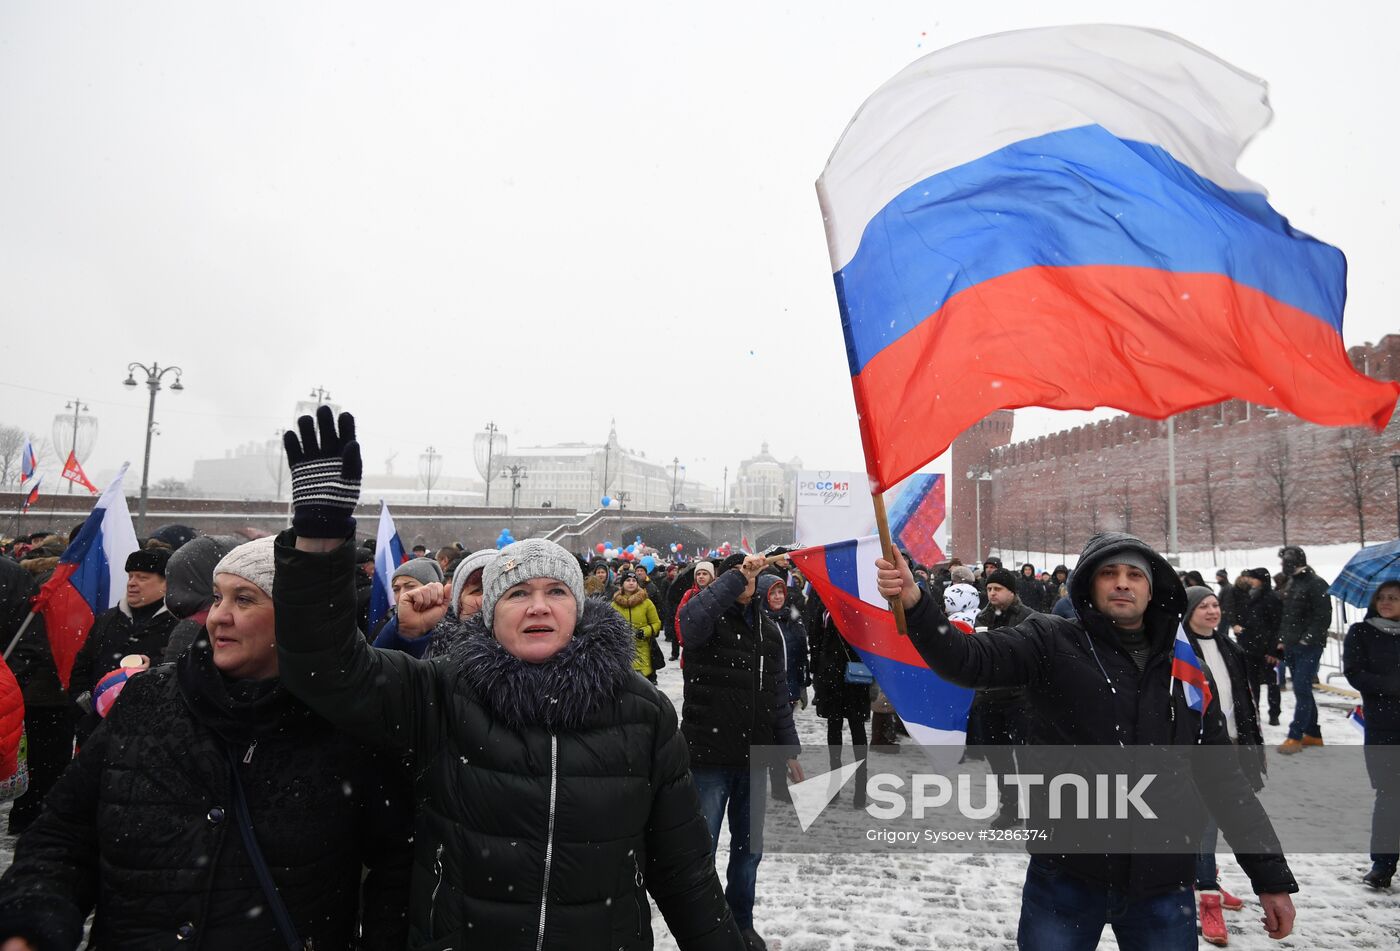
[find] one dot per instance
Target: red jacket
(11, 722)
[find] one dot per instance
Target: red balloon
(599, 548)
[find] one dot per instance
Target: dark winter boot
(1379, 876)
(882, 733)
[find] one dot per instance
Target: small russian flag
(31, 496)
(28, 462)
(1358, 719)
(1186, 668)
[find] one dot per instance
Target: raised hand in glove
(326, 471)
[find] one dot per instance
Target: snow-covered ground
(901, 900)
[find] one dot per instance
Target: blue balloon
(606, 501)
(649, 563)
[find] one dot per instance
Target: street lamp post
(1395, 464)
(675, 473)
(154, 374)
(76, 406)
(491, 430)
(515, 473)
(428, 463)
(978, 478)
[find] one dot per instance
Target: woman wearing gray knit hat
(554, 780)
(433, 630)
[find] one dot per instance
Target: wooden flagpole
(882, 522)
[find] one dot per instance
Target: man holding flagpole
(1110, 678)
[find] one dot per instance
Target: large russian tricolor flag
(843, 575)
(1053, 217)
(388, 555)
(90, 577)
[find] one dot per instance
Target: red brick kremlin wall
(1050, 493)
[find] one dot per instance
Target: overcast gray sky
(545, 215)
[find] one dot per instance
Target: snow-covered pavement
(902, 900)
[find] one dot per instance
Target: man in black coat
(1106, 680)
(1001, 711)
(139, 624)
(1303, 631)
(736, 696)
(1030, 589)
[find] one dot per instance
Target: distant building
(578, 475)
(764, 485)
(259, 471)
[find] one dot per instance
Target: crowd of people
(492, 764)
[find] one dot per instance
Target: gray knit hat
(524, 561)
(473, 562)
(1131, 558)
(1194, 596)
(424, 570)
(251, 561)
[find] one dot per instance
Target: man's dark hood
(189, 574)
(1168, 594)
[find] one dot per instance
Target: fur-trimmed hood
(559, 693)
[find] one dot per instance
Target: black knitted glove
(325, 475)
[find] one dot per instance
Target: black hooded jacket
(142, 827)
(31, 661)
(552, 797)
(1083, 688)
(736, 692)
(189, 588)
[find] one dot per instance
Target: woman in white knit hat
(210, 790)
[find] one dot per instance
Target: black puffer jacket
(1083, 688)
(142, 826)
(1307, 611)
(552, 797)
(735, 682)
(1257, 613)
(1371, 660)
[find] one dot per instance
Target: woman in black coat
(1256, 617)
(1371, 659)
(839, 698)
(145, 827)
(552, 779)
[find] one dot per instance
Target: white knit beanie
(251, 561)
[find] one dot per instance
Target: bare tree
(11, 442)
(1276, 463)
(1063, 513)
(1093, 506)
(1125, 510)
(1360, 476)
(1210, 503)
(1164, 507)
